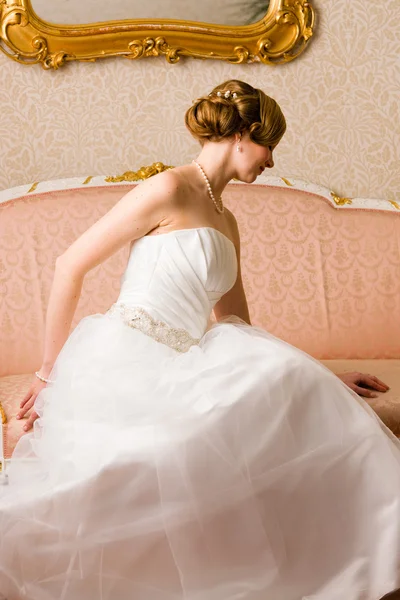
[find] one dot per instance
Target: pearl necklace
(217, 203)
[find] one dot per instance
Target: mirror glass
(218, 12)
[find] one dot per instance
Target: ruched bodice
(179, 276)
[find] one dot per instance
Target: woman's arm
(64, 295)
(234, 302)
(138, 212)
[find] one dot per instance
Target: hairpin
(228, 94)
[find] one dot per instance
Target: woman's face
(252, 159)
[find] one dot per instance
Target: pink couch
(320, 272)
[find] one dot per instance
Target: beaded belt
(136, 317)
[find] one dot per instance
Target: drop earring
(238, 149)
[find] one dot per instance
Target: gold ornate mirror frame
(278, 37)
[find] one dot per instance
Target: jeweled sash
(136, 317)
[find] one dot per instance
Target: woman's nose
(269, 162)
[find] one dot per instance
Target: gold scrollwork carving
(142, 173)
(56, 60)
(3, 415)
(159, 47)
(13, 15)
(33, 187)
(340, 201)
(280, 36)
(153, 47)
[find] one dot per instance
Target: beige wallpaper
(341, 100)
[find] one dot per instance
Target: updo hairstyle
(235, 107)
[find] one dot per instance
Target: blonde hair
(220, 115)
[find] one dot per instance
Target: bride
(171, 461)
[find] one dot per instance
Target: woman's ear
(238, 137)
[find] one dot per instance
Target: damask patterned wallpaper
(341, 100)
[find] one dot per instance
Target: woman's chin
(253, 177)
(248, 178)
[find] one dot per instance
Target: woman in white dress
(170, 462)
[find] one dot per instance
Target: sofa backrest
(325, 279)
(34, 231)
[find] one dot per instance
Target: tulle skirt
(241, 469)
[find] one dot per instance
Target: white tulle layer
(242, 469)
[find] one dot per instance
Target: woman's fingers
(361, 391)
(26, 398)
(372, 382)
(26, 406)
(377, 384)
(30, 398)
(360, 382)
(32, 418)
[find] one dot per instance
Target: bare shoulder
(147, 205)
(166, 185)
(153, 201)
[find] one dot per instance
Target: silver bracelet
(43, 378)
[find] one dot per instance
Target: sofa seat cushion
(13, 388)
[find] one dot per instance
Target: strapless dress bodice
(179, 276)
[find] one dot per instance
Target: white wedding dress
(175, 463)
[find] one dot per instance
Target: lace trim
(137, 318)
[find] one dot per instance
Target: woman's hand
(28, 402)
(360, 383)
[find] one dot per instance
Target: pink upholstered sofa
(321, 272)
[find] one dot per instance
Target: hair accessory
(217, 203)
(43, 378)
(228, 94)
